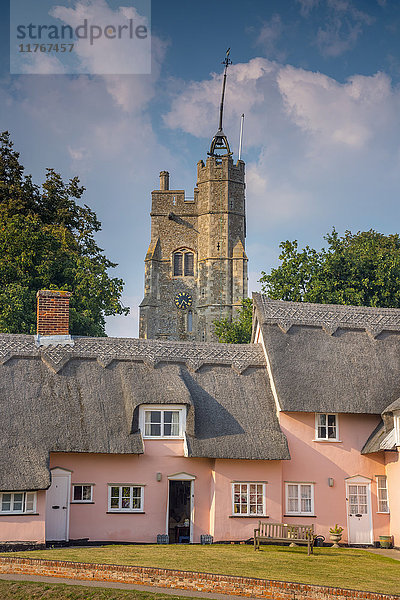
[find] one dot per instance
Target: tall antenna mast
(220, 141)
(241, 136)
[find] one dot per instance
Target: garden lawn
(22, 590)
(343, 567)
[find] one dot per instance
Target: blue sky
(318, 82)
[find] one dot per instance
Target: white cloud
(41, 63)
(344, 114)
(119, 54)
(193, 107)
(344, 24)
(306, 6)
(269, 35)
(301, 130)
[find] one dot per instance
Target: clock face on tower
(183, 300)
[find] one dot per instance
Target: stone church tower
(196, 265)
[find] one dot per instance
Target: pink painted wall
(25, 528)
(161, 456)
(316, 461)
(212, 492)
(223, 525)
(392, 460)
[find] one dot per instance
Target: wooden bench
(282, 532)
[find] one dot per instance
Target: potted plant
(335, 535)
(385, 541)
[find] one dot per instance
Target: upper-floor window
(383, 502)
(162, 421)
(396, 418)
(299, 498)
(183, 263)
(18, 502)
(326, 426)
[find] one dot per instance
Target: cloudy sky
(318, 81)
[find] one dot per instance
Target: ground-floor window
(248, 498)
(17, 502)
(299, 498)
(125, 498)
(82, 493)
(383, 503)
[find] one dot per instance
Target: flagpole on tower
(241, 136)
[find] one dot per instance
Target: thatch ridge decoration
(373, 320)
(151, 352)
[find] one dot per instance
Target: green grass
(24, 590)
(348, 568)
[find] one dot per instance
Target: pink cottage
(124, 440)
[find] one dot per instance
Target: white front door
(358, 496)
(57, 506)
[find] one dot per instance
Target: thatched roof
(85, 398)
(331, 358)
(383, 437)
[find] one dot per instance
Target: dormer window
(183, 263)
(162, 421)
(396, 419)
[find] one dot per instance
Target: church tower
(196, 265)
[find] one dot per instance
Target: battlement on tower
(220, 168)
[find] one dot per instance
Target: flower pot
(335, 538)
(385, 541)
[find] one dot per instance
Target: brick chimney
(53, 317)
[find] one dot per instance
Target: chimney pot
(164, 180)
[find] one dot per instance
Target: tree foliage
(238, 330)
(360, 269)
(47, 242)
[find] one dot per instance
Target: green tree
(47, 242)
(361, 269)
(238, 330)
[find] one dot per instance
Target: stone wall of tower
(221, 225)
(212, 226)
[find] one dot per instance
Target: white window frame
(163, 408)
(129, 509)
(299, 512)
(396, 422)
(264, 499)
(326, 439)
(379, 489)
(24, 510)
(82, 485)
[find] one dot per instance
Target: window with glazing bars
(326, 426)
(125, 498)
(161, 423)
(299, 498)
(17, 502)
(248, 499)
(383, 502)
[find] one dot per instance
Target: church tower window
(183, 264)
